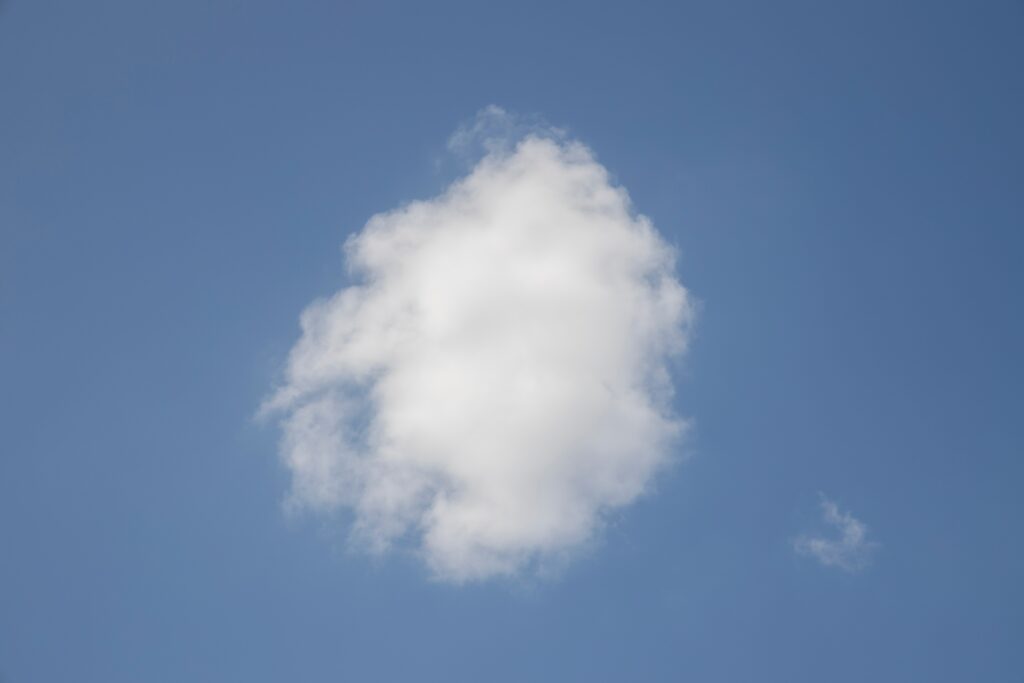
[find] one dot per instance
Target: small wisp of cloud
(496, 380)
(849, 550)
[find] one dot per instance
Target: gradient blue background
(844, 183)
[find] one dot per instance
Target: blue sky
(842, 185)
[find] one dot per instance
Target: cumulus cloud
(850, 550)
(496, 379)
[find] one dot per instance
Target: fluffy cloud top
(495, 382)
(851, 551)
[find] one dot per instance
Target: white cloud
(496, 382)
(495, 131)
(851, 551)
